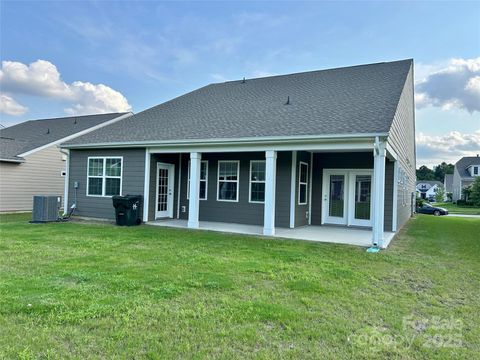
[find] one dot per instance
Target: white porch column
(194, 195)
(270, 180)
(146, 185)
(379, 154)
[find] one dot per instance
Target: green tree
(442, 169)
(440, 194)
(424, 173)
(475, 192)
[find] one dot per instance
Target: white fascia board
(80, 133)
(233, 141)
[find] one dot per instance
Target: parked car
(429, 209)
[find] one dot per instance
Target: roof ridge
(312, 71)
(72, 117)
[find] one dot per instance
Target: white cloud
(432, 150)
(11, 107)
(42, 78)
(455, 84)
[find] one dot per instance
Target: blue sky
(147, 52)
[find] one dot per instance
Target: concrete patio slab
(325, 233)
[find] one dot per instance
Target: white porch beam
(379, 155)
(194, 194)
(146, 185)
(270, 180)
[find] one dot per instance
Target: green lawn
(455, 209)
(70, 290)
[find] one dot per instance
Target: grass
(70, 290)
(456, 209)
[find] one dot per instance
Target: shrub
(475, 192)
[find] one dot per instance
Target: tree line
(438, 172)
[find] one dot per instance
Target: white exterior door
(165, 185)
(347, 197)
(335, 191)
(360, 198)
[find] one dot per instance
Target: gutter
(19, 161)
(232, 141)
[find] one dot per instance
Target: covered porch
(330, 192)
(326, 233)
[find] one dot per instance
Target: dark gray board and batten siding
(242, 212)
(133, 168)
(347, 160)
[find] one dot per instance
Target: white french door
(347, 195)
(165, 185)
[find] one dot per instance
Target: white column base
(193, 224)
(268, 232)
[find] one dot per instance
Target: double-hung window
(227, 185)
(203, 180)
(302, 183)
(257, 181)
(104, 177)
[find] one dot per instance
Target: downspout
(66, 214)
(67, 180)
(376, 151)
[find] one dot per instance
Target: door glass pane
(337, 183)
(363, 186)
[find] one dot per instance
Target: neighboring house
(428, 189)
(448, 183)
(322, 147)
(464, 173)
(31, 163)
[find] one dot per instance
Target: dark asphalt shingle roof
(29, 135)
(464, 163)
(357, 99)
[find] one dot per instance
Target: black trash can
(127, 209)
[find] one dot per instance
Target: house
(31, 162)
(273, 155)
(464, 173)
(448, 183)
(427, 189)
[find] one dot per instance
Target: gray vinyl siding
(101, 207)
(301, 211)
(346, 160)
(402, 139)
(243, 211)
(154, 160)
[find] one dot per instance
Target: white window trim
(254, 181)
(237, 181)
(302, 183)
(104, 176)
(206, 180)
